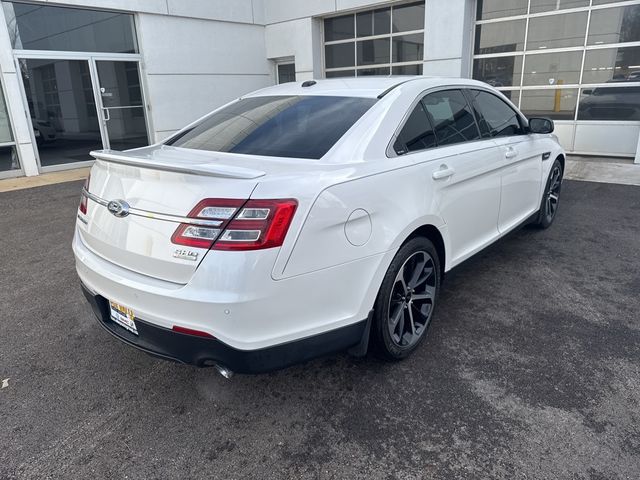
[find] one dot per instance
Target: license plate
(123, 316)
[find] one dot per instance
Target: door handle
(510, 153)
(443, 172)
(106, 116)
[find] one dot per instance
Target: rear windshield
(278, 126)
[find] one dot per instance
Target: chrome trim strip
(156, 216)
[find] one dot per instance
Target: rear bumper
(164, 343)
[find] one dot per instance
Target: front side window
(416, 134)
(495, 117)
(452, 119)
(276, 126)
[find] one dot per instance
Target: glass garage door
(576, 61)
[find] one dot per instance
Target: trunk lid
(161, 185)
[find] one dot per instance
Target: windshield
(277, 126)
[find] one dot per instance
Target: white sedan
(308, 218)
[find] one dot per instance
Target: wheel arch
(434, 234)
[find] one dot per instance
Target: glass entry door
(122, 105)
(82, 104)
(62, 107)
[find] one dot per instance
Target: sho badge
(185, 254)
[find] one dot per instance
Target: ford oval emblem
(118, 208)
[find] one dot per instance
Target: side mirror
(540, 125)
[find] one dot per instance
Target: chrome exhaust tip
(224, 371)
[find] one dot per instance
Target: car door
(521, 171)
(462, 168)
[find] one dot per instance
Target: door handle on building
(106, 116)
(443, 172)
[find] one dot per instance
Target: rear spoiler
(196, 168)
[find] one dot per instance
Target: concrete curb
(44, 179)
(603, 172)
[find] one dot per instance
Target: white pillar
(448, 32)
(18, 112)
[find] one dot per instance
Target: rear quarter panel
(362, 217)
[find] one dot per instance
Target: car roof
(369, 87)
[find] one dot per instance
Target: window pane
(63, 118)
(286, 73)
(496, 118)
(120, 83)
(5, 126)
(339, 55)
(376, 22)
(548, 5)
(552, 68)
(607, 64)
(277, 126)
(373, 71)
(408, 17)
(8, 159)
(610, 103)
(340, 73)
(451, 117)
(499, 71)
(408, 48)
(416, 134)
(614, 25)
(559, 104)
(556, 31)
(500, 37)
(500, 8)
(44, 27)
(407, 70)
(339, 28)
(371, 52)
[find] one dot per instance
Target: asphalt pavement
(531, 370)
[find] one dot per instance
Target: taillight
(237, 225)
(83, 197)
(217, 212)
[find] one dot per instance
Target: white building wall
(201, 65)
(294, 29)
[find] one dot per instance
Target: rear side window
(416, 134)
(451, 116)
(276, 126)
(495, 117)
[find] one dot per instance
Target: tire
(551, 197)
(406, 300)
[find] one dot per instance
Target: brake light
(237, 225)
(83, 198)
